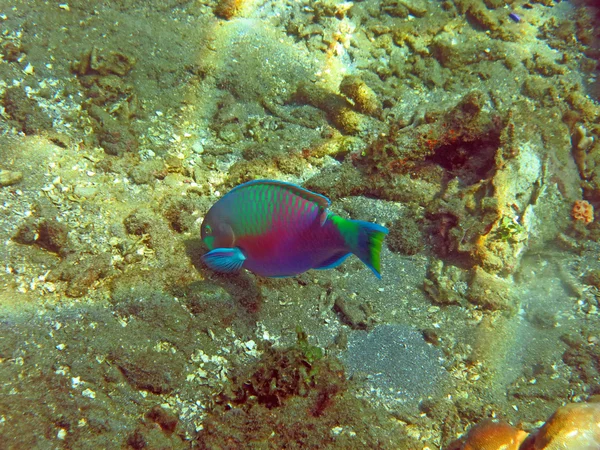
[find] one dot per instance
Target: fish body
(278, 229)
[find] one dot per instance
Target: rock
(572, 426)
(114, 137)
(97, 61)
(339, 110)
(147, 172)
(166, 420)
(82, 272)
(491, 292)
(406, 235)
(139, 222)
(354, 313)
(24, 112)
(53, 235)
(491, 435)
(27, 232)
(85, 191)
(149, 370)
(9, 177)
(365, 100)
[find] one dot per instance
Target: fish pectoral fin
(323, 217)
(334, 261)
(227, 260)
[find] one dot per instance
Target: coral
(572, 426)
(582, 211)
(489, 435)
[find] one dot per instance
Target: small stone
(9, 177)
(198, 147)
(88, 393)
(85, 191)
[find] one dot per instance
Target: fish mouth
(209, 241)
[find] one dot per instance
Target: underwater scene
(294, 224)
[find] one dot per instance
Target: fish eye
(208, 229)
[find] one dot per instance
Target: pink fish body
(278, 229)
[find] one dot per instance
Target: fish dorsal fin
(319, 199)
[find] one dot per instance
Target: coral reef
(469, 128)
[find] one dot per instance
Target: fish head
(216, 234)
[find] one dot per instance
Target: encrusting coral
(583, 211)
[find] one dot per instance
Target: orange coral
(490, 435)
(582, 211)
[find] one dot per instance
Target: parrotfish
(279, 229)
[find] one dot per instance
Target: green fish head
(219, 235)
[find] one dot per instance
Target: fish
(278, 229)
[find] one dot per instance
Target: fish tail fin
(364, 239)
